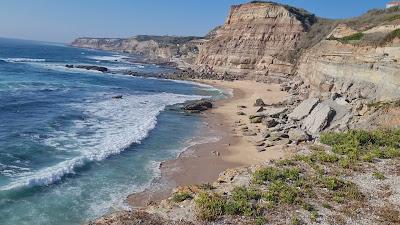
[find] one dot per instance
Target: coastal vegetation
(316, 181)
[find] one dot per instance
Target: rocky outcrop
(251, 39)
(88, 67)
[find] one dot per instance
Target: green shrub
(240, 201)
(206, 187)
(272, 174)
(393, 18)
(354, 37)
(261, 220)
(295, 220)
(358, 144)
(280, 192)
(181, 196)
(209, 206)
(332, 183)
(378, 175)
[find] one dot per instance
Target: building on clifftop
(393, 4)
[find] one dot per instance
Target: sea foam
(113, 58)
(22, 60)
(111, 126)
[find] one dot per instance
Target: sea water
(69, 152)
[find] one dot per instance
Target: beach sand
(202, 163)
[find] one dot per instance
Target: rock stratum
(255, 39)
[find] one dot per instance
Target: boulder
(298, 135)
(318, 119)
(260, 148)
(275, 112)
(256, 119)
(259, 102)
(269, 122)
(304, 109)
(260, 109)
(198, 106)
(240, 113)
(249, 133)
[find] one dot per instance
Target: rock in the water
(304, 109)
(298, 135)
(259, 102)
(117, 97)
(88, 67)
(319, 118)
(198, 106)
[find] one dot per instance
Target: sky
(63, 20)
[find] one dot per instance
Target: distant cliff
(162, 48)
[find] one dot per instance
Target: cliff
(358, 59)
(161, 48)
(253, 37)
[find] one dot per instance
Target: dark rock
(197, 106)
(259, 102)
(260, 109)
(89, 67)
(241, 113)
(269, 122)
(117, 97)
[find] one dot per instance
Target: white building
(392, 4)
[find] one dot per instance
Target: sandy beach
(202, 163)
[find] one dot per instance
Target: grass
(181, 196)
(349, 39)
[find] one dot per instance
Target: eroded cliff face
(354, 70)
(252, 38)
(179, 49)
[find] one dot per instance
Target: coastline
(202, 163)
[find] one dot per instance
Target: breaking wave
(111, 126)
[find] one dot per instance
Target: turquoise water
(68, 151)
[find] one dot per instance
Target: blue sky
(63, 20)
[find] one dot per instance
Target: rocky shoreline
(316, 136)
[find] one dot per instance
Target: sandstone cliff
(252, 37)
(161, 48)
(356, 63)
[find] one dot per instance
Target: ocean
(69, 152)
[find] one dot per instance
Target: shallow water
(69, 152)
